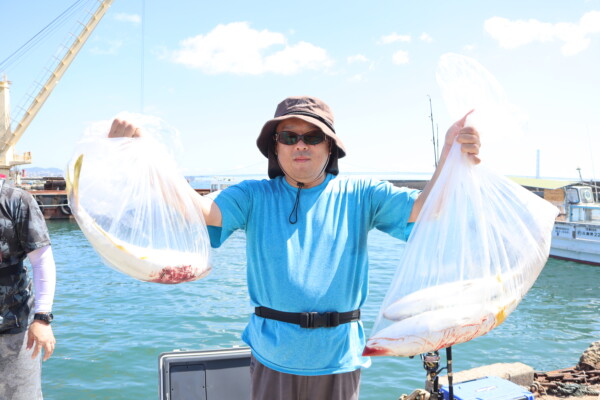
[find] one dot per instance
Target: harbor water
(111, 328)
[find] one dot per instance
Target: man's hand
(122, 128)
(467, 136)
(40, 336)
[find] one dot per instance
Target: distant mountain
(37, 172)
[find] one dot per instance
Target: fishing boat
(576, 234)
(50, 194)
(206, 185)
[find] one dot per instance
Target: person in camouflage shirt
(23, 334)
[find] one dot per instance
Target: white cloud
(133, 18)
(357, 58)
(238, 49)
(590, 22)
(293, 59)
(574, 36)
(426, 38)
(394, 37)
(400, 57)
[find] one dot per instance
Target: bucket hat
(309, 109)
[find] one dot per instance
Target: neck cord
(300, 185)
(294, 212)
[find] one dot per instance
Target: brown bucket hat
(309, 109)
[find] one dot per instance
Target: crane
(8, 137)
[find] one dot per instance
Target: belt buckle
(319, 320)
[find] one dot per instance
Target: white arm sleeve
(44, 278)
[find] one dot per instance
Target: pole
(537, 164)
(450, 378)
(142, 66)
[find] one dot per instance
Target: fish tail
(73, 181)
(375, 351)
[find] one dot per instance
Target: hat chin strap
(303, 184)
(293, 218)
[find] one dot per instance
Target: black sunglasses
(289, 138)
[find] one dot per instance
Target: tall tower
(8, 158)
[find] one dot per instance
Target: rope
(418, 394)
(574, 389)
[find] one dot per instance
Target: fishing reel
(431, 362)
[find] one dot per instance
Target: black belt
(309, 319)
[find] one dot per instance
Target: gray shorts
(268, 384)
(20, 375)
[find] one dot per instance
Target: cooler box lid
(222, 374)
(487, 388)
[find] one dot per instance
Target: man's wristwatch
(46, 317)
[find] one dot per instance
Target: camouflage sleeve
(31, 226)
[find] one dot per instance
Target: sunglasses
(290, 138)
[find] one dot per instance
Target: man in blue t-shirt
(306, 245)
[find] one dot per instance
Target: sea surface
(111, 328)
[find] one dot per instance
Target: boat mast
(9, 139)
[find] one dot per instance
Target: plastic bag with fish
(135, 207)
(478, 245)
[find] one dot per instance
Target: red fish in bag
(477, 247)
(135, 208)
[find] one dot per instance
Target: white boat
(576, 234)
(577, 237)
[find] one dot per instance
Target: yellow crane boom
(9, 139)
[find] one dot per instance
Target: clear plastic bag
(478, 246)
(134, 205)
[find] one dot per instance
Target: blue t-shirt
(318, 264)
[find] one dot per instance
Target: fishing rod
(431, 363)
(433, 134)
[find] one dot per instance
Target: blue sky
(216, 71)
